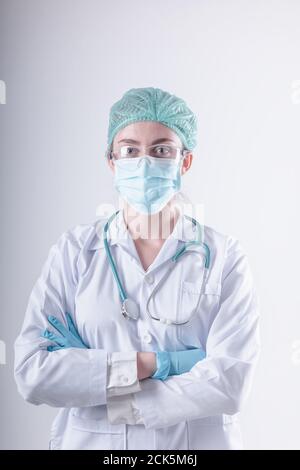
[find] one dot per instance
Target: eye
(127, 151)
(131, 149)
(162, 149)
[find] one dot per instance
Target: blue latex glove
(70, 337)
(176, 362)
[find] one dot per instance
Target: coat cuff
(123, 410)
(122, 373)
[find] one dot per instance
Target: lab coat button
(125, 379)
(149, 279)
(147, 338)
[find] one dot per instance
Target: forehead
(146, 132)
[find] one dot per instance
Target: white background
(236, 63)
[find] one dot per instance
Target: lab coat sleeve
(122, 374)
(68, 377)
(221, 382)
(123, 409)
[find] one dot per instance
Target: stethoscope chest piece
(130, 309)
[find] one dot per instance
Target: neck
(151, 226)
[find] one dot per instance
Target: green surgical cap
(153, 104)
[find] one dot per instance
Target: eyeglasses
(156, 151)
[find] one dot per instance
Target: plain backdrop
(236, 63)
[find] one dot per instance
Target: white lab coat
(102, 403)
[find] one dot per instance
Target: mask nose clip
(146, 159)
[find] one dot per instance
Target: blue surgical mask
(147, 183)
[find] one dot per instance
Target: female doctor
(143, 327)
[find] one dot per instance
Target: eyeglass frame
(183, 152)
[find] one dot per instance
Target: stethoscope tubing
(174, 259)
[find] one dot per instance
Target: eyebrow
(157, 141)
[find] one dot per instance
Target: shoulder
(81, 237)
(222, 243)
(227, 254)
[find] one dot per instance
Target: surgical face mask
(147, 183)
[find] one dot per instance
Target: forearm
(123, 409)
(65, 378)
(146, 364)
(76, 377)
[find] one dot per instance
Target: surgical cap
(153, 104)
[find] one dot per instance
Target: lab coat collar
(118, 234)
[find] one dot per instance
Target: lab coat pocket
(92, 430)
(190, 299)
(198, 301)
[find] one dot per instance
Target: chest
(175, 292)
(147, 251)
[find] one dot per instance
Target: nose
(145, 160)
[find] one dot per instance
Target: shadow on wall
(2, 92)
(2, 353)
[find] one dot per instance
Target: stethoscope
(129, 308)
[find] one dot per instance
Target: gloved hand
(70, 337)
(176, 362)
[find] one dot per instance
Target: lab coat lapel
(121, 237)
